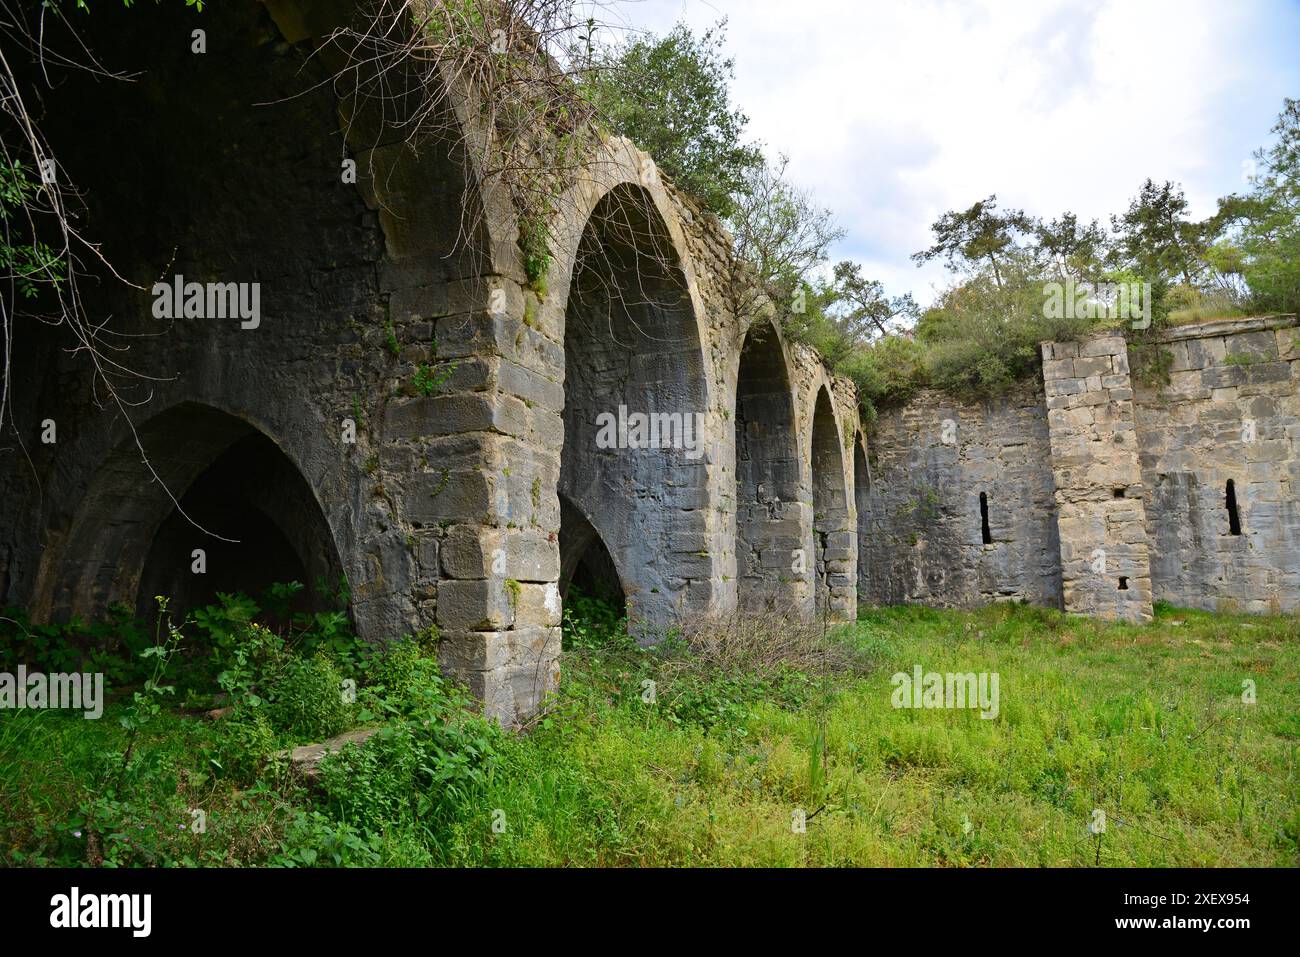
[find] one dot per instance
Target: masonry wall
(225, 167)
(920, 530)
(1229, 412)
(424, 411)
(803, 564)
(1105, 568)
(1105, 491)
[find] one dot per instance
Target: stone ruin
(475, 501)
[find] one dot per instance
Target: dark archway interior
(862, 501)
(255, 500)
(585, 562)
(632, 349)
(830, 509)
(767, 477)
(128, 542)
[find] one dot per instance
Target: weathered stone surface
(305, 760)
(482, 605)
(1189, 453)
(415, 421)
(920, 530)
(1098, 493)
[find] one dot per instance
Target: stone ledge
(1228, 327)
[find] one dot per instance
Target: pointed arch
(832, 536)
(251, 513)
(767, 476)
(635, 389)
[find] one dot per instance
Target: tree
(975, 235)
(862, 310)
(1070, 249)
(671, 95)
(1156, 239)
(1258, 235)
(782, 235)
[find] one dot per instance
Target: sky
(895, 112)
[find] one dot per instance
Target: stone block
(1101, 346)
(1058, 369)
(1260, 345)
(1203, 353)
(1221, 377)
(481, 605)
(1093, 366)
(1056, 387)
(473, 551)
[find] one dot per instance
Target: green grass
(1145, 723)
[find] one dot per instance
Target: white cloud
(893, 113)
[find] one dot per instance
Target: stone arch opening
(862, 504)
(259, 521)
(392, 245)
(633, 459)
(585, 562)
(767, 477)
(831, 539)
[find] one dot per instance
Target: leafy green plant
(671, 95)
(111, 646)
(242, 745)
(593, 623)
(146, 703)
(1242, 359)
(32, 264)
(306, 700)
(425, 381)
(923, 505)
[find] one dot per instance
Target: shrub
(412, 773)
(111, 646)
(241, 746)
(592, 622)
(307, 699)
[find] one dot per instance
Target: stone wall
(226, 167)
(1230, 412)
(920, 523)
(413, 418)
(417, 420)
(1103, 493)
(1099, 494)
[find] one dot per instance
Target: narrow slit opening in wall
(1234, 519)
(1119, 493)
(1123, 583)
(984, 519)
